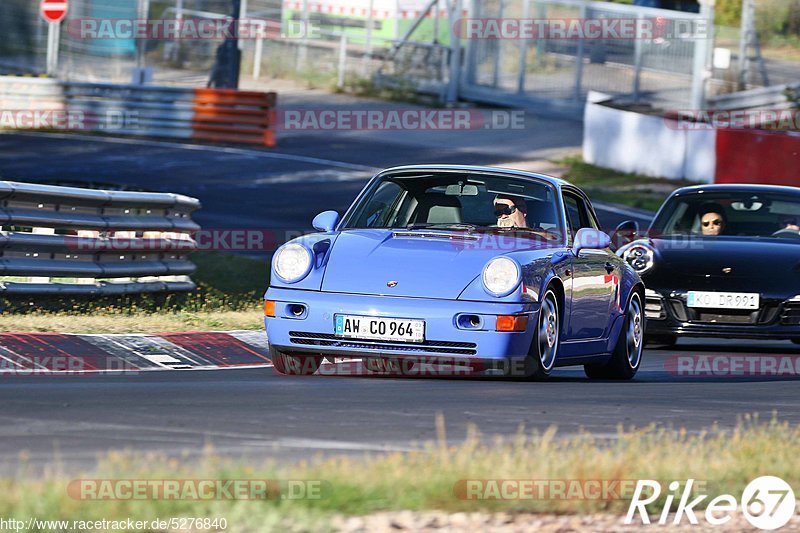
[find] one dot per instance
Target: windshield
(730, 214)
(461, 202)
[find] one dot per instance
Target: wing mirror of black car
(625, 233)
(590, 239)
(326, 221)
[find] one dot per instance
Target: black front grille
(791, 314)
(330, 340)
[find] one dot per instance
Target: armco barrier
(221, 115)
(756, 156)
(66, 240)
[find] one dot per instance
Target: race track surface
(260, 414)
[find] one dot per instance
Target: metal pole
(368, 44)
(141, 44)
(498, 43)
(579, 62)
(53, 39)
(257, 55)
(242, 16)
(342, 60)
(637, 67)
(302, 53)
(523, 50)
(745, 38)
(702, 53)
(455, 55)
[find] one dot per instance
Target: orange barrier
(757, 156)
(230, 115)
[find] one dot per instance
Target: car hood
(728, 261)
(423, 264)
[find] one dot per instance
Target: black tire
(627, 356)
(663, 341)
(294, 365)
(546, 339)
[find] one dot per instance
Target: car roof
(557, 182)
(738, 188)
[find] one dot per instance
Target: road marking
(203, 148)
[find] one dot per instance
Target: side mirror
(326, 221)
(590, 239)
(625, 233)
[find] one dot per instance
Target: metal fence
(66, 240)
(667, 68)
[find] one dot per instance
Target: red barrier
(755, 156)
(229, 115)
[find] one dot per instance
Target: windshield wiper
(455, 225)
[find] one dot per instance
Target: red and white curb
(64, 353)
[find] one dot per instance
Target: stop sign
(53, 10)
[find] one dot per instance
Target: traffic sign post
(53, 11)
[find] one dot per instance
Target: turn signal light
(511, 323)
(269, 308)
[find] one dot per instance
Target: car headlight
(501, 276)
(292, 262)
(639, 256)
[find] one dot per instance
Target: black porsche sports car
(722, 260)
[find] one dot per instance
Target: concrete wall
(646, 144)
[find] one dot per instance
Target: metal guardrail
(67, 240)
(223, 115)
(773, 97)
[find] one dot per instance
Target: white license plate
(723, 300)
(384, 329)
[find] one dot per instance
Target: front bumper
(312, 332)
(778, 318)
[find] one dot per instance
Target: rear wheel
(542, 356)
(294, 365)
(627, 356)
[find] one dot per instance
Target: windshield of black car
(730, 214)
(456, 201)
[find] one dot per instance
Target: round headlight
(292, 262)
(639, 257)
(501, 276)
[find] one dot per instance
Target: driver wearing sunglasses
(712, 220)
(510, 211)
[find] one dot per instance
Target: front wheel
(294, 365)
(627, 356)
(542, 356)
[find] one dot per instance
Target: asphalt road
(239, 188)
(259, 414)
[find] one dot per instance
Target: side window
(578, 215)
(382, 207)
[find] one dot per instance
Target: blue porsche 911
(500, 271)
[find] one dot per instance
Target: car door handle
(610, 268)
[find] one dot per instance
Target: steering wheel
(787, 234)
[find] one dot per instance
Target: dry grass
(424, 479)
(143, 322)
